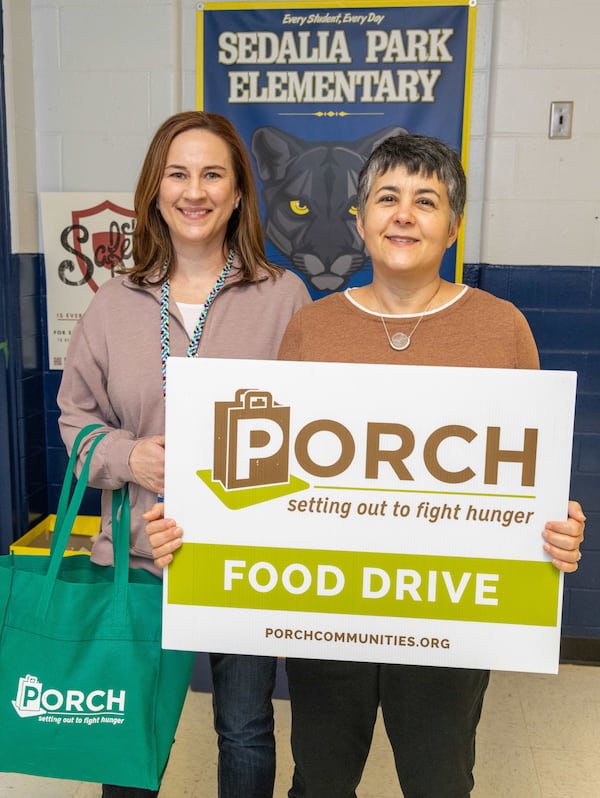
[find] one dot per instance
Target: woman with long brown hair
(200, 287)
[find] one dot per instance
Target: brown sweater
(476, 329)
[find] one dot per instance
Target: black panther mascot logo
(309, 191)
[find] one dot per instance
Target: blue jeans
(242, 690)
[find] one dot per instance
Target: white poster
(366, 512)
(87, 239)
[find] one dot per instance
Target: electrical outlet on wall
(561, 119)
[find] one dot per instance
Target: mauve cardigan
(113, 377)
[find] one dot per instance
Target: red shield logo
(100, 238)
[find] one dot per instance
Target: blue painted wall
(8, 443)
(6, 480)
(26, 369)
(562, 305)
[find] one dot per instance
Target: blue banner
(312, 89)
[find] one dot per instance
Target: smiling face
(406, 225)
(198, 191)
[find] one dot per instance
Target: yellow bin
(39, 538)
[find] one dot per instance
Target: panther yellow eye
(353, 210)
(299, 208)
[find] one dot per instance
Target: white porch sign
(364, 512)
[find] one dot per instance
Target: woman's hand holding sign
(164, 534)
(564, 538)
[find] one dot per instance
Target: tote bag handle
(60, 537)
(67, 511)
(121, 525)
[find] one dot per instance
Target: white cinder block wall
(88, 81)
(542, 196)
(20, 128)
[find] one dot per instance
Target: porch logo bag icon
(253, 422)
(86, 692)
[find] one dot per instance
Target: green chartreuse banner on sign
(360, 583)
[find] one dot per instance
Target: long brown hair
(152, 245)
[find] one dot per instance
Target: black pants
(430, 716)
(112, 791)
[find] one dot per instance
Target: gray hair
(418, 155)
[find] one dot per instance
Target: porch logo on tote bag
(51, 705)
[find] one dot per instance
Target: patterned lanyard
(165, 344)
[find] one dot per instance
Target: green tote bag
(86, 692)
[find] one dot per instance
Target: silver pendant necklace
(401, 341)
